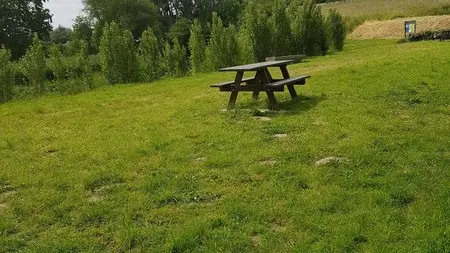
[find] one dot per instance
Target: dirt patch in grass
(394, 29)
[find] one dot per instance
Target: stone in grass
(329, 160)
(280, 136)
(269, 162)
(261, 118)
(201, 159)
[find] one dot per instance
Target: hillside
(394, 29)
(388, 9)
(160, 167)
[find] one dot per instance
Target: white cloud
(64, 11)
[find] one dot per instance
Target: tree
(256, 21)
(56, 64)
(313, 32)
(281, 30)
(216, 50)
(245, 47)
(118, 55)
(180, 61)
(150, 57)
(168, 59)
(181, 31)
(60, 35)
(34, 65)
(6, 76)
(134, 15)
(82, 31)
(19, 20)
(336, 29)
(197, 47)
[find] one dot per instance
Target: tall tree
(134, 15)
(197, 47)
(60, 35)
(149, 57)
(19, 20)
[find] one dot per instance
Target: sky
(64, 11)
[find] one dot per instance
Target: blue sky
(64, 11)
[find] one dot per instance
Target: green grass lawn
(161, 168)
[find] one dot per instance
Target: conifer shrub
(180, 59)
(150, 59)
(118, 55)
(336, 29)
(197, 47)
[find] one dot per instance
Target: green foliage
(336, 29)
(256, 21)
(197, 47)
(180, 59)
(313, 31)
(19, 20)
(282, 36)
(118, 55)
(60, 35)
(56, 64)
(133, 15)
(168, 59)
(222, 49)
(82, 30)
(181, 31)
(34, 65)
(149, 57)
(245, 47)
(6, 76)
(82, 71)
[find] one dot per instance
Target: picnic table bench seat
(225, 84)
(299, 80)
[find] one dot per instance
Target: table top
(258, 66)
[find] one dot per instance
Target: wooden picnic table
(261, 82)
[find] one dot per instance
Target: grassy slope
(158, 167)
(388, 9)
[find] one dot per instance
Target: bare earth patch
(394, 29)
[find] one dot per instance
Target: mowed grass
(161, 168)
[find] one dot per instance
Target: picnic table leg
(291, 88)
(255, 95)
(235, 92)
(267, 78)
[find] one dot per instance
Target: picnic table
(261, 82)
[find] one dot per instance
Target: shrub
(245, 47)
(180, 61)
(256, 21)
(215, 52)
(197, 47)
(34, 65)
(6, 76)
(231, 50)
(118, 55)
(149, 57)
(336, 29)
(168, 59)
(83, 68)
(56, 63)
(282, 35)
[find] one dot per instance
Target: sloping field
(160, 167)
(388, 9)
(394, 29)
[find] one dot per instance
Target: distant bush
(81, 72)
(6, 76)
(281, 42)
(336, 29)
(197, 47)
(34, 67)
(118, 55)
(245, 47)
(168, 60)
(256, 22)
(150, 57)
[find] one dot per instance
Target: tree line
(142, 40)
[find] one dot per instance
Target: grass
(159, 167)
